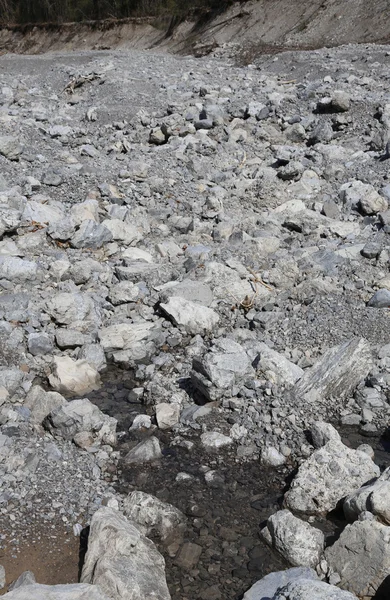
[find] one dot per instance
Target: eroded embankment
(250, 27)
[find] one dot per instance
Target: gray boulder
(374, 498)
(91, 235)
(276, 367)
(331, 473)
(381, 299)
(67, 308)
(17, 269)
(337, 373)
(121, 561)
(304, 589)
(361, 557)
(42, 403)
(220, 368)
(26, 578)
(154, 517)
(193, 317)
(39, 343)
(297, 541)
(10, 147)
(266, 588)
(126, 342)
(81, 416)
(146, 451)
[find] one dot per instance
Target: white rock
(154, 517)
(193, 317)
(73, 377)
(322, 433)
(123, 232)
(212, 440)
(167, 415)
(297, 541)
(124, 563)
(271, 457)
(276, 367)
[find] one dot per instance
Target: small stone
(381, 299)
(167, 415)
(188, 556)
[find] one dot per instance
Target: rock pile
(209, 243)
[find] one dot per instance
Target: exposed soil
(50, 552)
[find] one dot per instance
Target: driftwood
(78, 81)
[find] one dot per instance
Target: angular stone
(122, 232)
(276, 367)
(42, 403)
(266, 588)
(122, 292)
(10, 147)
(154, 517)
(94, 355)
(188, 556)
(129, 341)
(297, 541)
(374, 497)
(167, 415)
(337, 373)
(26, 578)
(17, 269)
(39, 343)
(330, 474)
(73, 377)
(381, 299)
(121, 561)
(213, 440)
(91, 235)
(67, 308)
(302, 589)
(361, 556)
(146, 451)
(81, 415)
(69, 338)
(193, 317)
(220, 369)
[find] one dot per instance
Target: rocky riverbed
(194, 325)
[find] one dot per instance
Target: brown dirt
(52, 554)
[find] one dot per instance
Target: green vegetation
(61, 11)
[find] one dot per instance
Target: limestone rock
(81, 415)
(121, 561)
(302, 589)
(193, 317)
(330, 474)
(146, 451)
(266, 588)
(361, 556)
(337, 373)
(297, 541)
(167, 415)
(73, 377)
(154, 517)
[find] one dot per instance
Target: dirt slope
(253, 25)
